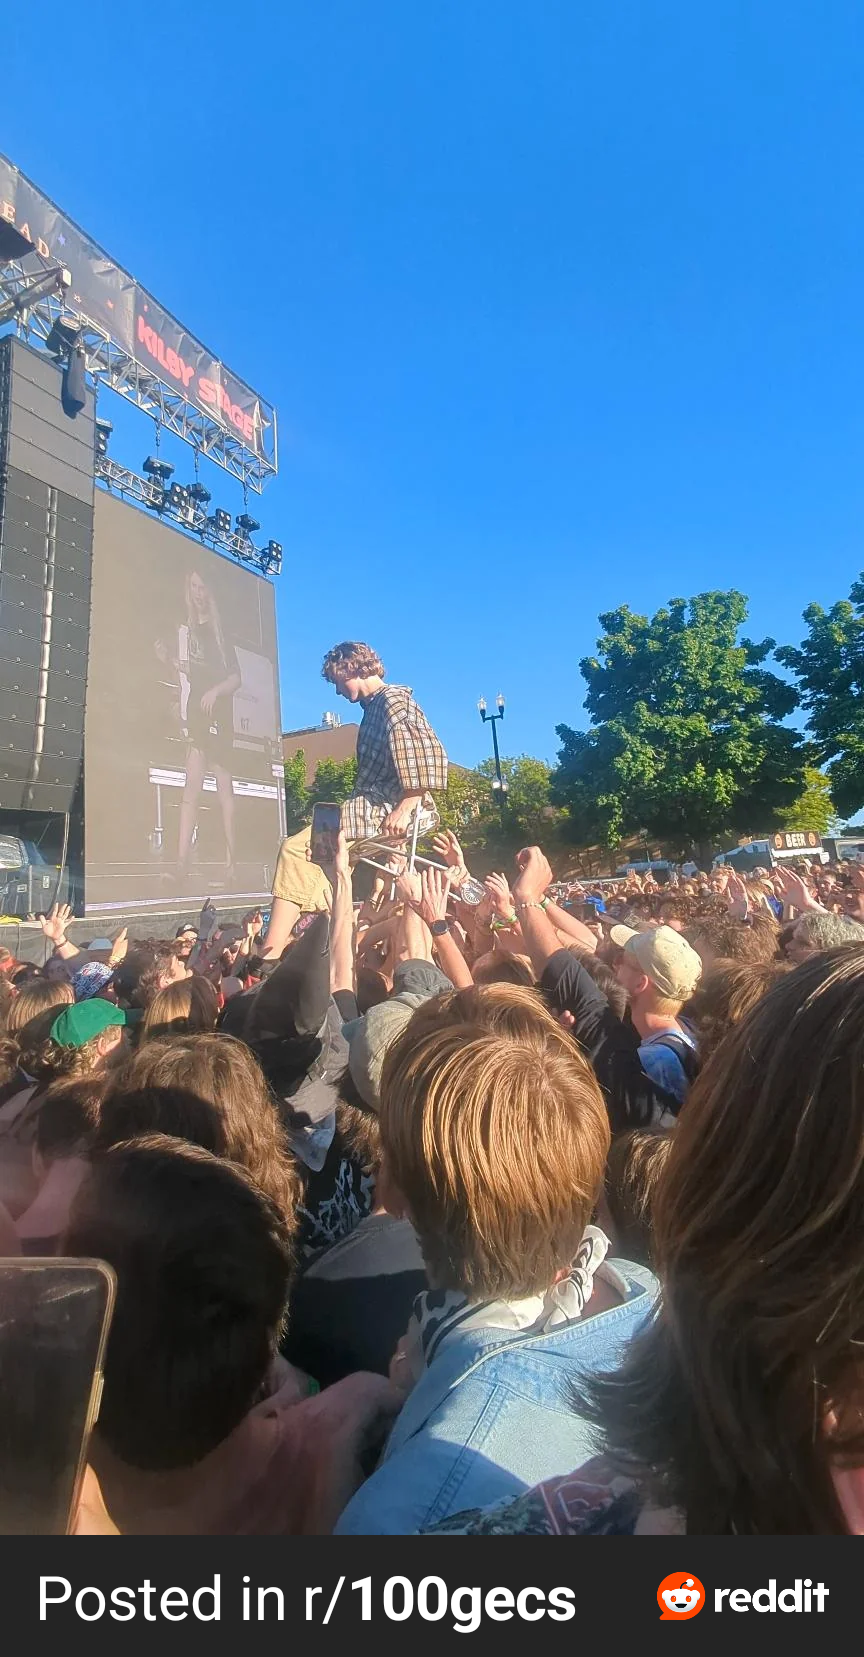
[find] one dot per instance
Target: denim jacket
(493, 1415)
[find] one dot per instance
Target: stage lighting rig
(220, 523)
(159, 470)
(104, 429)
(271, 558)
(180, 504)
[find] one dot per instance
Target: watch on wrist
(439, 929)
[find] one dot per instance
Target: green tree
(491, 832)
(297, 806)
(334, 780)
(815, 808)
(685, 738)
(829, 665)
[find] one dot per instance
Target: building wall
(338, 742)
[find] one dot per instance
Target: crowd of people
(538, 1214)
(534, 1215)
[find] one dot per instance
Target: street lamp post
(499, 784)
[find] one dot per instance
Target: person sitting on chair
(399, 761)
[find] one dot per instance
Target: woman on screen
(209, 677)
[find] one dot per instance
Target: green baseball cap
(86, 1020)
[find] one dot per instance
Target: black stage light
(220, 522)
(272, 557)
(199, 494)
(104, 429)
(64, 334)
(157, 469)
(178, 496)
(246, 524)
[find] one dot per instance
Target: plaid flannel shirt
(397, 753)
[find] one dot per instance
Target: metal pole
(494, 719)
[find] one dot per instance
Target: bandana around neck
(441, 1313)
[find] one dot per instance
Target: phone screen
(54, 1321)
(326, 823)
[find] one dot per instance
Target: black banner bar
(107, 296)
(518, 1593)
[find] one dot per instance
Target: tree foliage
(334, 780)
(829, 665)
(814, 809)
(686, 739)
(491, 832)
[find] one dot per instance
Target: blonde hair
(211, 619)
(188, 1007)
(497, 1134)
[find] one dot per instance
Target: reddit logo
(680, 1596)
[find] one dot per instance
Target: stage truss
(190, 517)
(111, 365)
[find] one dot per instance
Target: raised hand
(502, 897)
(737, 901)
(409, 887)
(535, 875)
(435, 890)
(55, 923)
(447, 846)
(119, 948)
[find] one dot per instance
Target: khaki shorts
(296, 879)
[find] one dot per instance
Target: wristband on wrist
(533, 903)
(499, 925)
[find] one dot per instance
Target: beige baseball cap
(664, 957)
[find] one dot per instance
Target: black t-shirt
(611, 1043)
(353, 1303)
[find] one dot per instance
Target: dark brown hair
(733, 1403)
(69, 1115)
(203, 1262)
(208, 1090)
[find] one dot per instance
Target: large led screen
(183, 760)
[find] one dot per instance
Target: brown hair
(636, 1162)
(209, 1090)
(39, 997)
(203, 1261)
(605, 978)
(356, 660)
(726, 995)
(27, 1044)
(722, 1407)
(732, 940)
(188, 1007)
(498, 1142)
(69, 1115)
(516, 1010)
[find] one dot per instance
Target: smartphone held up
(54, 1321)
(326, 823)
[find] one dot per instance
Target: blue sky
(560, 303)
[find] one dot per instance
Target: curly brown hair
(355, 660)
